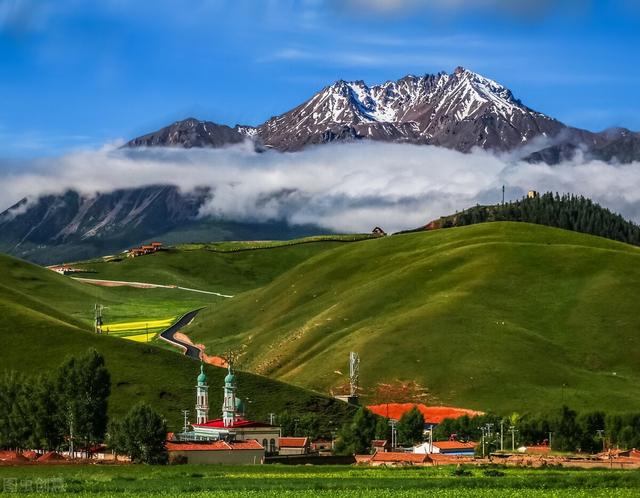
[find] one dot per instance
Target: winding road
(168, 335)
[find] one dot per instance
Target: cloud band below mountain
(343, 187)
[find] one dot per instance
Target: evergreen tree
(356, 436)
(383, 429)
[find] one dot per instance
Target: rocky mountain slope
(71, 226)
(461, 110)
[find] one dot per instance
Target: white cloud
(344, 187)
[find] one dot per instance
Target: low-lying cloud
(342, 187)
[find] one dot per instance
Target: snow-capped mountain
(459, 110)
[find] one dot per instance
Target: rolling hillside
(502, 316)
(44, 317)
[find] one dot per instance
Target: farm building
(216, 452)
(380, 445)
(144, 249)
(456, 448)
(293, 445)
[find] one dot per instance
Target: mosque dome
(202, 378)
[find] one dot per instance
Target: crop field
(294, 481)
(140, 331)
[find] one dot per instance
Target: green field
(276, 480)
(498, 316)
(44, 317)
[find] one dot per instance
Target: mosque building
(233, 425)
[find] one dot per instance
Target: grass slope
(229, 267)
(40, 325)
(492, 316)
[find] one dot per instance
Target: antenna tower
(354, 374)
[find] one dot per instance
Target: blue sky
(77, 74)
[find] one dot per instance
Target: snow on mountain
(424, 109)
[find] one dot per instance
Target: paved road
(168, 335)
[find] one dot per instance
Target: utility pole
(550, 439)
(501, 435)
(503, 195)
(483, 429)
(513, 437)
(272, 418)
(392, 423)
(185, 414)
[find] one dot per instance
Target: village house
(455, 448)
(380, 445)
(293, 445)
(216, 452)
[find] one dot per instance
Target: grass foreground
(290, 481)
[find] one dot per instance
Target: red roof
(431, 414)
(392, 457)
(293, 442)
(251, 444)
(454, 445)
(240, 422)
(379, 443)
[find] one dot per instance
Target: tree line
(67, 408)
(565, 211)
(356, 436)
(563, 429)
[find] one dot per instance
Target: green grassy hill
(45, 317)
(502, 316)
(225, 267)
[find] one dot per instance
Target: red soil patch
(12, 457)
(51, 456)
(30, 454)
(431, 414)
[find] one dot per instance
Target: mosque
(233, 426)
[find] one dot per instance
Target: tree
(383, 429)
(15, 408)
(84, 385)
(411, 427)
(356, 436)
(48, 418)
(567, 433)
(141, 435)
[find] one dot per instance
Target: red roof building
(216, 452)
(293, 445)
